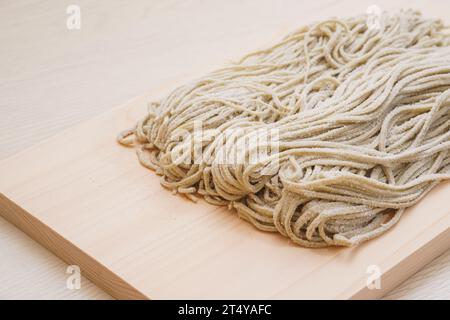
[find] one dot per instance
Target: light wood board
(52, 77)
(88, 200)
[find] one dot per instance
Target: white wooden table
(52, 77)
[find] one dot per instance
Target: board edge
(92, 269)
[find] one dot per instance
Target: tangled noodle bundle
(362, 123)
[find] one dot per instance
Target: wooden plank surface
(89, 201)
(77, 88)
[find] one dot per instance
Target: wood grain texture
(88, 200)
(29, 271)
(51, 78)
(431, 282)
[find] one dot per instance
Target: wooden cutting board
(88, 200)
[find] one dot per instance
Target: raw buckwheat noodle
(362, 117)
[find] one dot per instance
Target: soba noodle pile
(359, 121)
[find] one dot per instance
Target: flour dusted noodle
(362, 122)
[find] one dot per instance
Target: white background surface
(52, 78)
